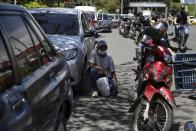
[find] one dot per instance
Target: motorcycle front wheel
(160, 117)
(182, 43)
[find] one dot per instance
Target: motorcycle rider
(181, 19)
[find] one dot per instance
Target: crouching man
(102, 66)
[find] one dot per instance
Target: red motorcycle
(153, 108)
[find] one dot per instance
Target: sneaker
(95, 93)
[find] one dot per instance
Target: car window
(44, 40)
(99, 17)
(42, 55)
(84, 24)
(21, 43)
(105, 17)
(63, 24)
(111, 17)
(6, 74)
(90, 15)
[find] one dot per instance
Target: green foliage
(191, 9)
(105, 5)
(34, 4)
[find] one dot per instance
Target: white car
(68, 30)
(192, 20)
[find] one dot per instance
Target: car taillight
(168, 81)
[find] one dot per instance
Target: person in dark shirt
(181, 21)
(181, 17)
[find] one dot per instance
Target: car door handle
(19, 105)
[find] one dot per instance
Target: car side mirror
(89, 33)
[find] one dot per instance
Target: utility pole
(195, 9)
(15, 2)
(121, 7)
(58, 3)
(91, 2)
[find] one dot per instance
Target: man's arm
(92, 65)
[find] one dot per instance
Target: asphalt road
(111, 114)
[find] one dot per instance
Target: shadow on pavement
(104, 113)
(111, 113)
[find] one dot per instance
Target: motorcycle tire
(125, 33)
(182, 44)
(139, 109)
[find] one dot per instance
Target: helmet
(102, 45)
(162, 26)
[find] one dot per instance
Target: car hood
(62, 42)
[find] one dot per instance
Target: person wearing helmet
(181, 19)
(101, 65)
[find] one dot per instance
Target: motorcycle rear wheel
(160, 117)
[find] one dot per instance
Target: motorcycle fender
(149, 92)
(167, 94)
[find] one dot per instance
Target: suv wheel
(61, 123)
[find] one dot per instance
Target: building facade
(153, 5)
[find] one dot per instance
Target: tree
(106, 5)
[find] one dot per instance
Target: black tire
(169, 116)
(82, 82)
(182, 44)
(61, 123)
(125, 33)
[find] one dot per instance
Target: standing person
(102, 65)
(181, 20)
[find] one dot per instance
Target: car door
(15, 109)
(92, 38)
(55, 80)
(42, 78)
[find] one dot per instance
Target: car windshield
(64, 24)
(105, 17)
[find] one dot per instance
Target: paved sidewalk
(105, 114)
(111, 114)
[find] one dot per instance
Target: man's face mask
(103, 53)
(102, 50)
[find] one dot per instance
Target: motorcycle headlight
(167, 58)
(71, 54)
